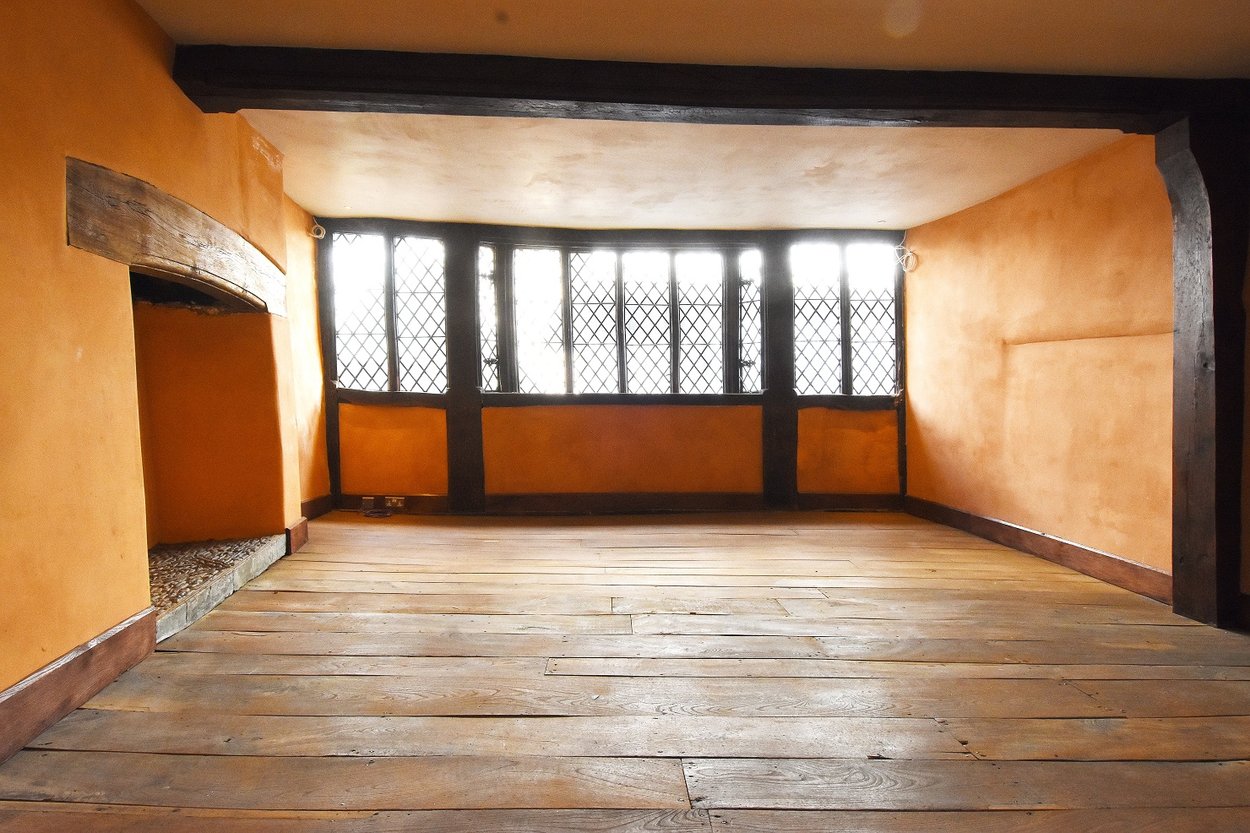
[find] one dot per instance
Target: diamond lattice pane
(648, 326)
(871, 274)
(815, 273)
(700, 322)
(420, 314)
(539, 300)
(488, 318)
(592, 287)
(750, 330)
(358, 273)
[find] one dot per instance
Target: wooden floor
(781, 672)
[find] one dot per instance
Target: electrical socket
(367, 503)
(394, 502)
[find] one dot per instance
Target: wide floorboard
(765, 672)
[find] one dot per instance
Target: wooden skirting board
(297, 535)
(851, 502)
(32, 705)
(584, 503)
(1104, 566)
(318, 506)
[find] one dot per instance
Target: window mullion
(673, 322)
(392, 349)
(623, 375)
(566, 288)
(504, 304)
(731, 299)
(844, 297)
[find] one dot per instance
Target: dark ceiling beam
(231, 78)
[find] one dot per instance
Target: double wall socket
(394, 502)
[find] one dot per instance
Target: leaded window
(487, 317)
(359, 269)
(750, 317)
(572, 314)
(537, 286)
(845, 322)
(420, 315)
(592, 288)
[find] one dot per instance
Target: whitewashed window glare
(488, 318)
(700, 322)
(537, 287)
(871, 270)
(648, 326)
(358, 262)
(815, 270)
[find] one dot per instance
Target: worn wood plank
(476, 603)
(296, 579)
(58, 817)
(399, 623)
(1106, 739)
(344, 783)
(874, 669)
(477, 694)
(963, 785)
(1170, 698)
(665, 736)
(460, 644)
(1154, 820)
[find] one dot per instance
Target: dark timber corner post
(465, 470)
(781, 416)
(1205, 161)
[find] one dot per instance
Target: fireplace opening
(210, 436)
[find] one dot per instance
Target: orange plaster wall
(308, 384)
(90, 79)
(848, 452)
(1039, 356)
(210, 423)
(392, 450)
(622, 448)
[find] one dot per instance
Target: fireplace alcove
(210, 369)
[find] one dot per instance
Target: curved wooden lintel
(133, 222)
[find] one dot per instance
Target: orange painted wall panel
(622, 448)
(1039, 356)
(90, 79)
(308, 386)
(210, 424)
(390, 450)
(848, 452)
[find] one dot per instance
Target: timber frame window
(613, 315)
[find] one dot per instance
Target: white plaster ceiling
(1184, 38)
(595, 174)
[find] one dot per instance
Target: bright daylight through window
(570, 319)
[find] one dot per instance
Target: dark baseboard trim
(316, 507)
(43, 698)
(1243, 611)
(413, 504)
(622, 503)
(852, 502)
(1109, 568)
(297, 536)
